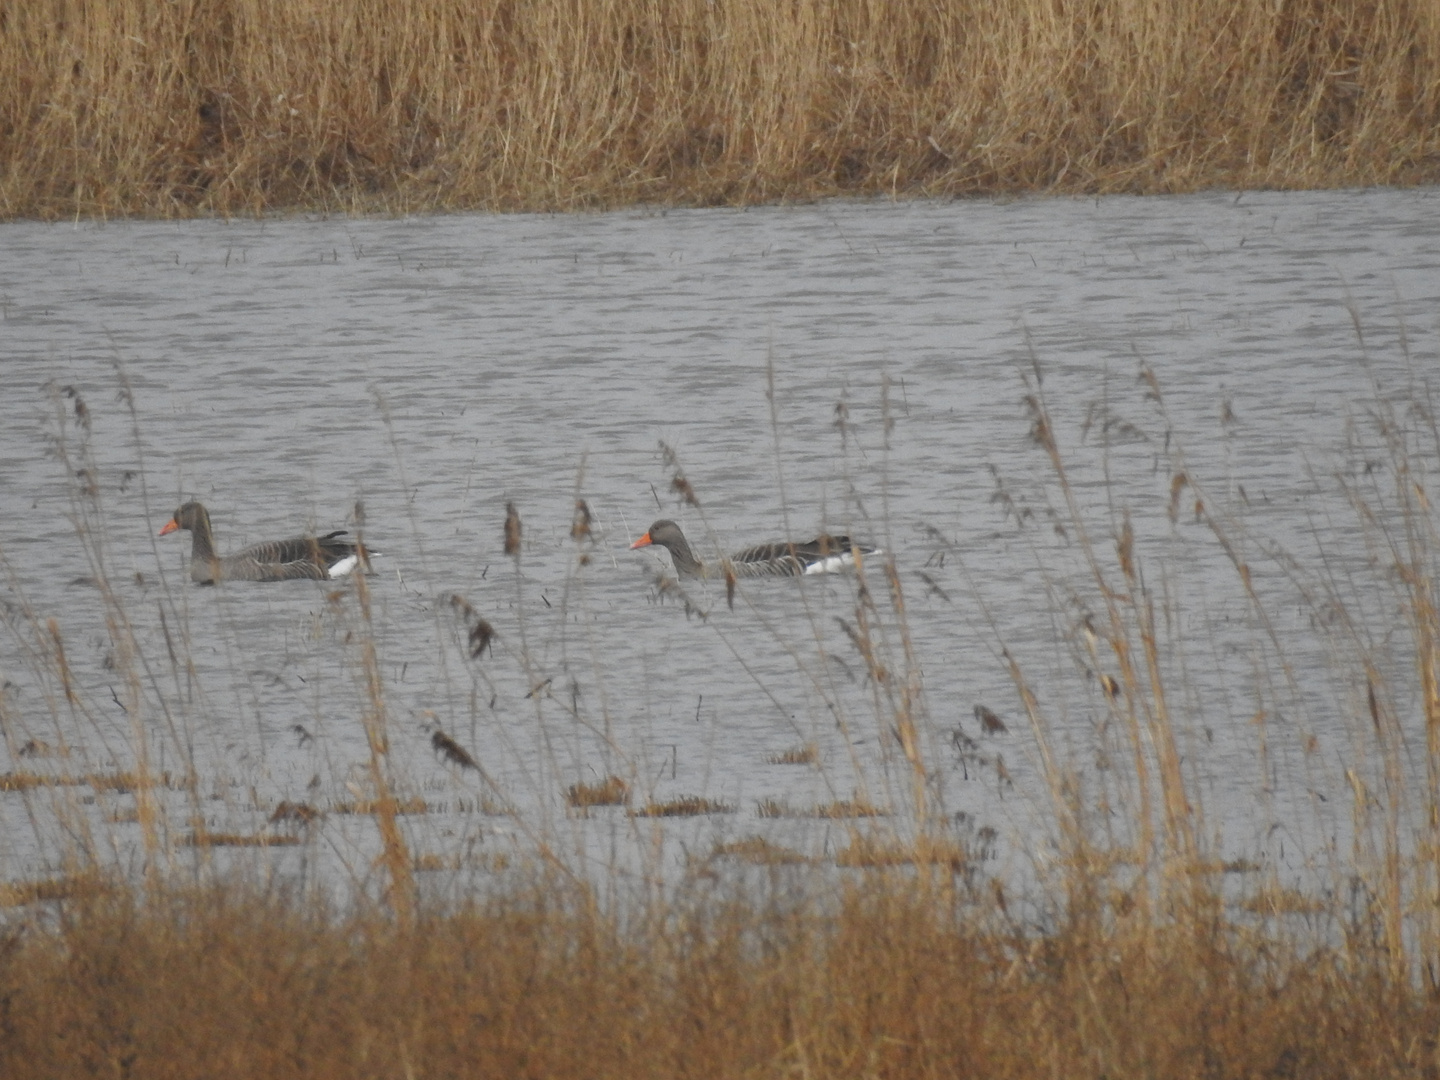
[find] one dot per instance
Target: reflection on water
(848, 367)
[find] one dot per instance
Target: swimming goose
(314, 557)
(823, 555)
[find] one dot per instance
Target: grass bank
(119, 107)
(899, 980)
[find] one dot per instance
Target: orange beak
(170, 526)
(644, 541)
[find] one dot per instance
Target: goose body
(823, 555)
(314, 557)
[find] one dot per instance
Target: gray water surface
(438, 368)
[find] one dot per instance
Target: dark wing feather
(766, 560)
(823, 547)
(321, 550)
(787, 560)
(333, 549)
(288, 560)
(761, 553)
(291, 571)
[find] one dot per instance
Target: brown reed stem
(87, 519)
(395, 852)
(1131, 701)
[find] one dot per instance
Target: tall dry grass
(894, 981)
(119, 107)
(1134, 852)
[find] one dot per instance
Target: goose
(823, 555)
(313, 557)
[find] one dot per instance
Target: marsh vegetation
(244, 107)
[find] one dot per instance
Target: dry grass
(117, 783)
(1275, 900)
(44, 890)
(867, 851)
(122, 107)
(757, 850)
(685, 806)
(805, 754)
(900, 980)
(840, 808)
(612, 791)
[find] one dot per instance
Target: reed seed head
(482, 637)
(687, 493)
(580, 523)
(512, 529)
(990, 723)
(451, 751)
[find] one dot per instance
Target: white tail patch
(834, 564)
(344, 566)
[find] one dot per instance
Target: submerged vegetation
(122, 107)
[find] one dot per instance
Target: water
(439, 368)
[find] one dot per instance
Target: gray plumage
(314, 557)
(824, 554)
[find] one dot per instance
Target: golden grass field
(896, 980)
(128, 107)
